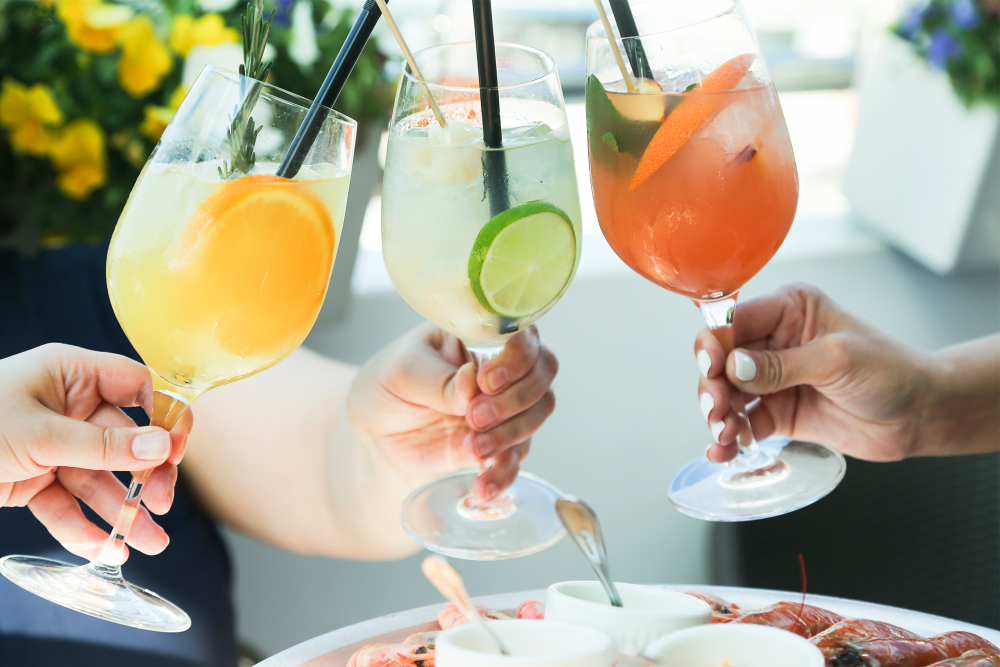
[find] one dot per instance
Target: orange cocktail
(695, 187)
(712, 215)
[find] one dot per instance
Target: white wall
(627, 417)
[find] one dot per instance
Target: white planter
(925, 171)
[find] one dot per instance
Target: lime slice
(522, 259)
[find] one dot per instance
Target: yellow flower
(20, 104)
(93, 25)
(78, 154)
(80, 180)
(209, 30)
(145, 60)
(157, 118)
(155, 121)
(31, 137)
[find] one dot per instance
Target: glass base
(789, 476)
(82, 588)
(442, 517)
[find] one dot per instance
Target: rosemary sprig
(241, 135)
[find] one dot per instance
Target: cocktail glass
(695, 187)
(482, 242)
(212, 280)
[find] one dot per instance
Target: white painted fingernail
(151, 446)
(704, 362)
(716, 428)
(746, 367)
(707, 403)
(710, 445)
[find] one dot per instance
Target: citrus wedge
(689, 115)
(258, 253)
(522, 259)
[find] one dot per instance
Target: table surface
(334, 648)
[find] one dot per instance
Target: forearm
(275, 456)
(964, 409)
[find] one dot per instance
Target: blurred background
(893, 120)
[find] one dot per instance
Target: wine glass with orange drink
(214, 274)
(695, 187)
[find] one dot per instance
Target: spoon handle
(449, 582)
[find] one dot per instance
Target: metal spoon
(582, 525)
(449, 582)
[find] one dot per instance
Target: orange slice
(259, 251)
(689, 115)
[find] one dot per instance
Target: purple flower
(942, 48)
(283, 11)
(911, 24)
(964, 14)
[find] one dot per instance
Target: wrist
(960, 415)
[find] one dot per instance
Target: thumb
(80, 444)
(763, 372)
(461, 389)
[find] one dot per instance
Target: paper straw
(330, 90)
(409, 59)
(633, 47)
(495, 163)
(614, 46)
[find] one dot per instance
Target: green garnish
(691, 87)
(610, 140)
(241, 135)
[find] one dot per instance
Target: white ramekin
(531, 643)
(742, 645)
(649, 612)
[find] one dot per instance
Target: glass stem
(719, 316)
(168, 407)
(480, 355)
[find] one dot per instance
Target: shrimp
(722, 611)
(451, 616)
(841, 634)
(977, 658)
(394, 655)
(803, 619)
(908, 652)
(531, 609)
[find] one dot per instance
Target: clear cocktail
(481, 235)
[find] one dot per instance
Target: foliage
(88, 86)
(961, 37)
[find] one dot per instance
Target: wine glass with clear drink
(482, 242)
(695, 187)
(214, 275)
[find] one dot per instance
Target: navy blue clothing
(61, 297)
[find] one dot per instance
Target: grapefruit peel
(689, 115)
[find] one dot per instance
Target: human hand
(61, 432)
(821, 374)
(422, 404)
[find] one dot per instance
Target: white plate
(334, 648)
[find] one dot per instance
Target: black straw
(633, 47)
(330, 90)
(494, 164)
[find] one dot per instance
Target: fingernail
(483, 415)
(709, 448)
(707, 403)
(716, 428)
(746, 367)
(151, 446)
(483, 444)
(704, 362)
(496, 379)
(491, 491)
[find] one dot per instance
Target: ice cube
(450, 155)
(734, 128)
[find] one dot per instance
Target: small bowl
(649, 612)
(531, 643)
(741, 645)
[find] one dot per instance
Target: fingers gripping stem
(719, 314)
(168, 407)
